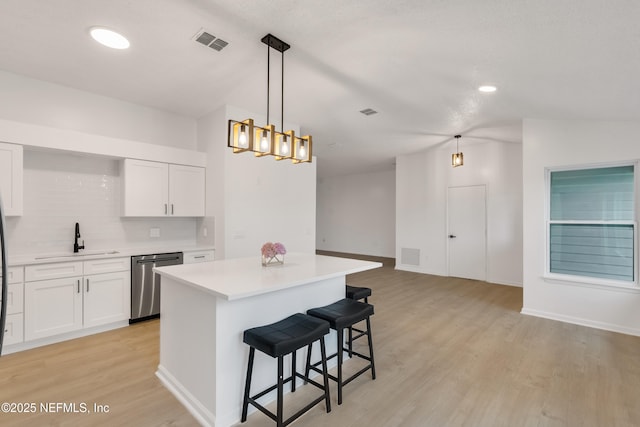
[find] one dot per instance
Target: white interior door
(467, 232)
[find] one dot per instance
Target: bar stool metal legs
(279, 340)
(341, 315)
(356, 293)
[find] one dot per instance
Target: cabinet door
(15, 298)
(11, 178)
(107, 298)
(145, 188)
(14, 275)
(13, 329)
(52, 307)
(186, 190)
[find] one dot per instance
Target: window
(592, 223)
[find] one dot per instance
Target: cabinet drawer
(52, 271)
(15, 274)
(199, 256)
(14, 329)
(15, 298)
(107, 265)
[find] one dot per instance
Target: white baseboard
(582, 322)
(416, 269)
(202, 414)
(193, 405)
(500, 282)
(28, 345)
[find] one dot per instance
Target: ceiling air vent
(368, 111)
(210, 40)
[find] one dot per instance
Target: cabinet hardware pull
(171, 208)
(87, 285)
(78, 285)
(199, 256)
(165, 208)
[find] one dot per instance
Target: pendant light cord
(268, 80)
(282, 96)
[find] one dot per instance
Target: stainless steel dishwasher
(145, 284)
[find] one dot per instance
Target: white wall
(422, 181)
(356, 214)
(567, 143)
(43, 103)
(255, 200)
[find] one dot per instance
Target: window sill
(592, 282)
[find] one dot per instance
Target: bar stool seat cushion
(287, 335)
(343, 313)
(357, 292)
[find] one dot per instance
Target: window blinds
(584, 240)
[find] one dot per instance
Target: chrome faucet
(76, 247)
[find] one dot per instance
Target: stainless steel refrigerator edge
(145, 284)
(3, 304)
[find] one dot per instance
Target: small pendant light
(457, 158)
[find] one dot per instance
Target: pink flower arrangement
(270, 250)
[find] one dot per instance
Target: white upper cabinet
(145, 188)
(11, 178)
(186, 190)
(152, 189)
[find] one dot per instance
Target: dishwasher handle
(147, 261)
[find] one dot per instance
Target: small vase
(274, 260)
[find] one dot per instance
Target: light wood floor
(449, 352)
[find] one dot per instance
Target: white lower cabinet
(13, 329)
(52, 307)
(65, 304)
(106, 298)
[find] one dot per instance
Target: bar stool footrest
(292, 418)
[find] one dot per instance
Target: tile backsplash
(61, 189)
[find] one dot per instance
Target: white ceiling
(417, 62)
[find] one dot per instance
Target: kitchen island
(205, 309)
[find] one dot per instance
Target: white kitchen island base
(205, 309)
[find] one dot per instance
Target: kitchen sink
(79, 254)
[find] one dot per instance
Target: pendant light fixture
(246, 136)
(457, 158)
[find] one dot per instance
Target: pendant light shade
(263, 138)
(302, 150)
(245, 136)
(457, 158)
(240, 135)
(283, 147)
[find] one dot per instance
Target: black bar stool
(356, 293)
(340, 315)
(278, 340)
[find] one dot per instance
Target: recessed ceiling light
(109, 38)
(487, 88)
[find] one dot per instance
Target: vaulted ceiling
(418, 63)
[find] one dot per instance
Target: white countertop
(238, 278)
(85, 255)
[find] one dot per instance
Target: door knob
(451, 236)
